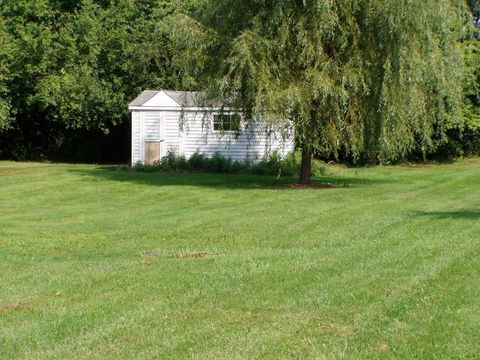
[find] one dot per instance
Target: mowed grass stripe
(387, 266)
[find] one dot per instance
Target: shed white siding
(136, 137)
(172, 132)
(151, 125)
(255, 141)
(186, 131)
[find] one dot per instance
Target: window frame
(231, 115)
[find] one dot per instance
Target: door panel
(152, 152)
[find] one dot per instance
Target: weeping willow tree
(370, 79)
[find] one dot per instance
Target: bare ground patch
(381, 347)
(18, 304)
(293, 186)
(4, 172)
(180, 255)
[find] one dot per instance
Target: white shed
(164, 121)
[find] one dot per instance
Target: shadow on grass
(457, 214)
(227, 181)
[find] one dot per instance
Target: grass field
(102, 263)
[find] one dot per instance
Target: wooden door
(152, 152)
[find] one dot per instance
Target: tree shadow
(226, 181)
(456, 214)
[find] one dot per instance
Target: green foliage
(469, 129)
(76, 64)
(285, 166)
(463, 135)
(197, 162)
(6, 53)
(370, 80)
(276, 165)
(81, 100)
(272, 165)
(474, 7)
(363, 81)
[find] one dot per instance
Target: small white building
(164, 121)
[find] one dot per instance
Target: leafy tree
(364, 80)
(76, 92)
(27, 26)
(471, 126)
(373, 80)
(69, 67)
(6, 54)
(464, 136)
(475, 8)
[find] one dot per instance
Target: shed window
(226, 122)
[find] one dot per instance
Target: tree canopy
(70, 67)
(371, 80)
(363, 81)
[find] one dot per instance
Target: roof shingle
(182, 98)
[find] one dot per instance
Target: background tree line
(68, 69)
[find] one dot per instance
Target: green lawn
(385, 266)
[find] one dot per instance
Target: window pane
(226, 122)
(216, 122)
(235, 122)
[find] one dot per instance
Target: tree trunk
(306, 166)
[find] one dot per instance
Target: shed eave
(175, 108)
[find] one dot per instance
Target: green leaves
(370, 79)
(6, 53)
(367, 80)
(81, 100)
(75, 65)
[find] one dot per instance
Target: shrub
(145, 168)
(274, 165)
(172, 162)
(197, 162)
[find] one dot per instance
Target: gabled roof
(185, 98)
(143, 98)
(181, 98)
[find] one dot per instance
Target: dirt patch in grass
(306, 186)
(18, 304)
(381, 347)
(181, 255)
